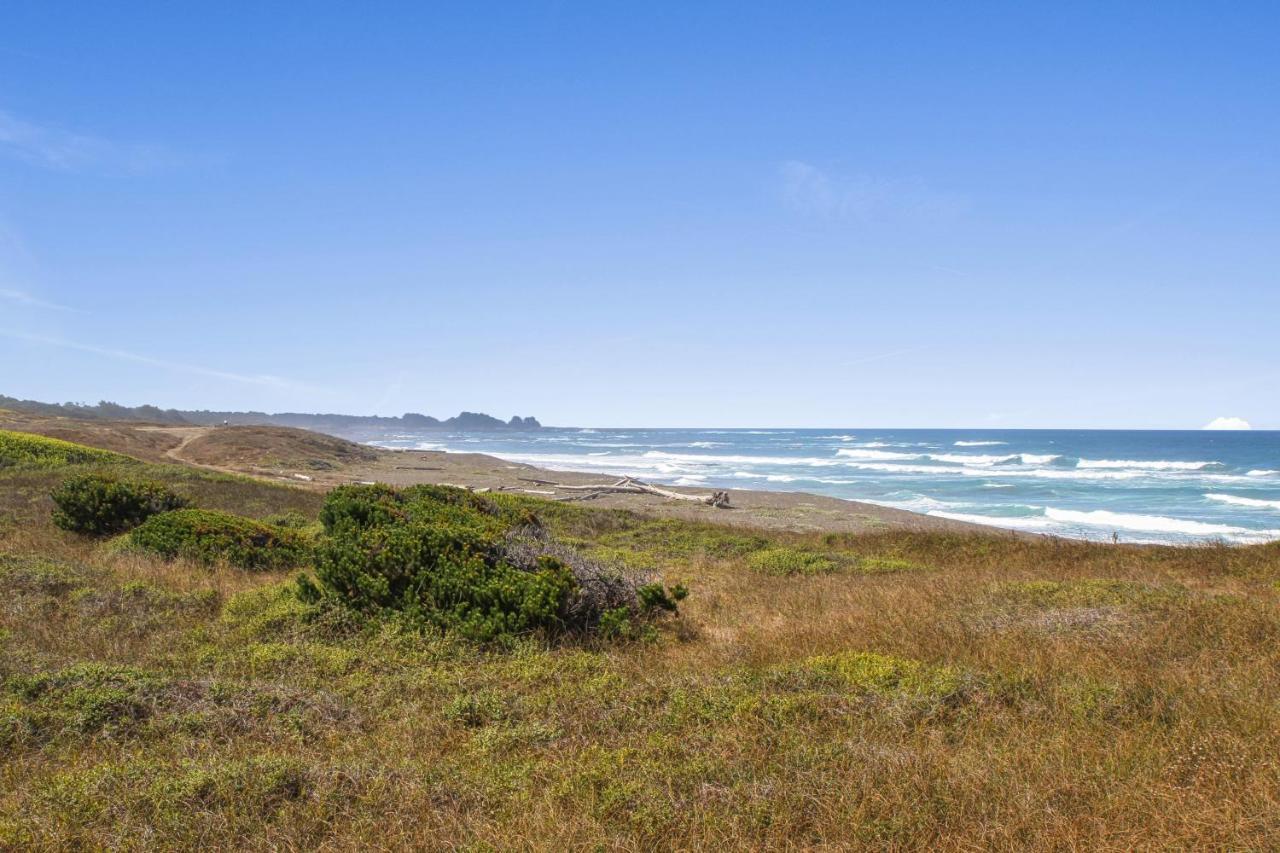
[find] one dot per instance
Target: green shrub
(789, 561)
(886, 565)
(216, 537)
(20, 449)
(292, 519)
(449, 559)
(104, 504)
(886, 675)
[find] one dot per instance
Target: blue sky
(1005, 215)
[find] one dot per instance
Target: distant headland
(464, 422)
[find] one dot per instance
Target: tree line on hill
(105, 410)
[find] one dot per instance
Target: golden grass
(1016, 694)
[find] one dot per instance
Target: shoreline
(320, 461)
(795, 511)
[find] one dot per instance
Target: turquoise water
(1139, 486)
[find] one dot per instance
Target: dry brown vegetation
(894, 690)
(266, 447)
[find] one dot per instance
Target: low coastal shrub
(791, 561)
(887, 565)
(210, 537)
(889, 676)
(1088, 592)
(23, 450)
(104, 504)
(448, 559)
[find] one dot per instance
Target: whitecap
(971, 459)
(1146, 465)
(1037, 458)
(979, 443)
(1014, 522)
(1263, 472)
(711, 458)
(1237, 500)
(875, 454)
(1143, 523)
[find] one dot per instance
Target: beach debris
(629, 485)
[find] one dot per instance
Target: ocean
(1137, 486)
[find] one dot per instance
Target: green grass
(23, 450)
(154, 704)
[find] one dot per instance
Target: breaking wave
(1145, 465)
(1236, 500)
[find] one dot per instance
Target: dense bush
(215, 537)
(449, 559)
(104, 504)
(20, 449)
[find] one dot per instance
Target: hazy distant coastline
(466, 421)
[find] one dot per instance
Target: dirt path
(185, 436)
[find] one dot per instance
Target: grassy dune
(892, 690)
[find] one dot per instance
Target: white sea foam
(713, 459)
(1037, 458)
(1263, 472)
(979, 443)
(919, 503)
(1237, 500)
(690, 480)
(1057, 474)
(875, 454)
(1145, 465)
(1143, 523)
(706, 444)
(971, 458)
(902, 468)
(599, 453)
(1014, 522)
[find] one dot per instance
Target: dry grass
(995, 693)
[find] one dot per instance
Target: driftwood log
(628, 485)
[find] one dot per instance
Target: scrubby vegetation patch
(890, 676)
(785, 561)
(211, 537)
(448, 559)
(1089, 592)
(102, 504)
(23, 450)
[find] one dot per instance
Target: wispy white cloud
(21, 297)
(63, 150)
(810, 191)
(261, 379)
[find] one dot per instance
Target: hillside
(466, 421)
(887, 689)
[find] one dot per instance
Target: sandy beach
(316, 461)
